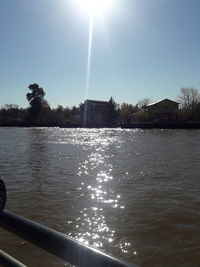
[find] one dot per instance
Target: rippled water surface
(132, 193)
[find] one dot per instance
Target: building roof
(96, 101)
(165, 99)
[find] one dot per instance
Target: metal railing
(61, 245)
(7, 260)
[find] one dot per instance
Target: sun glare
(95, 7)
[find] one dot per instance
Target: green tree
(36, 100)
(126, 111)
(59, 115)
(113, 112)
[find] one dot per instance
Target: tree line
(39, 112)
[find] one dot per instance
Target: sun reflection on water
(97, 188)
(93, 218)
(98, 203)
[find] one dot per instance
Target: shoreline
(141, 125)
(161, 125)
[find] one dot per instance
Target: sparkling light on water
(98, 192)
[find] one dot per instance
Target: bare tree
(189, 97)
(143, 102)
(189, 100)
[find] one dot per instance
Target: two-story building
(94, 113)
(164, 110)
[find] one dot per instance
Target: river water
(132, 193)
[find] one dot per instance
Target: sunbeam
(89, 56)
(93, 8)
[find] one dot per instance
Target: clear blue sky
(142, 48)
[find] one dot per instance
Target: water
(132, 193)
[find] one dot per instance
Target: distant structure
(164, 110)
(94, 113)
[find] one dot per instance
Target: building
(94, 113)
(163, 111)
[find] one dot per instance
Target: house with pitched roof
(164, 110)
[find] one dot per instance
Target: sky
(140, 48)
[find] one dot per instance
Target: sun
(95, 7)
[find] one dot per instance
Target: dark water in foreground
(132, 193)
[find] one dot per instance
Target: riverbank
(162, 125)
(142, 125)
(67, 125)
